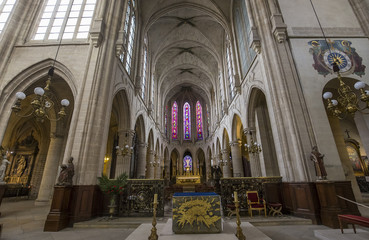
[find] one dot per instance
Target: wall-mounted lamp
(254, 147)
(124, 150)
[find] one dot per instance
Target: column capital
(249, 130)
(238, 142)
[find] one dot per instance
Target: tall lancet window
(243, 33)
(199, 120)
(208, 120)
(166, 121)
(6, 8)
(129, 34)
(65, 19)
(175, 121)
(187, 121)
(144, 74)
(230, 69)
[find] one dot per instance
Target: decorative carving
(279, 28)
(96, 32)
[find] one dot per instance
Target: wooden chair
(255, 203)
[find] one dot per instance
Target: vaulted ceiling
(185, 42)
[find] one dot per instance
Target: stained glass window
(187, 163)
(175, 120)
(199, 120)
(66, 19)
(187, 121)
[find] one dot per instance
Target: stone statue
(66, 174)
(317, 158)
(2, 169)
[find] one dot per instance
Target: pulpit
(196, 213)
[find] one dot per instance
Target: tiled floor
(22, 220)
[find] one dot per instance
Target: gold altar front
(196, 213)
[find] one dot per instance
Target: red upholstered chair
(255, 203)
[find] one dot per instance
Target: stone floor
(22, 220)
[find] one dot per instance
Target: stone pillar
(237, 158)
(141, 164)
(50, 171)
(226, 164)
(124, 152)
(151, 164)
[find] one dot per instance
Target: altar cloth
(196, 213)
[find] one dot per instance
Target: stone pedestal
(58, 217)
(2, 191)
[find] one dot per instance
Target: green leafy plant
(112, 186)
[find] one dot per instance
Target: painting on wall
(355, 160)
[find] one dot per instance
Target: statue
(317, 158)
(2, 169)
(66, 174)
(21, 166)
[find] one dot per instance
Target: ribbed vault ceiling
(185, 42)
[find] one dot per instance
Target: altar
(196, 213)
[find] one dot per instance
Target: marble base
(164, 231)
(337, 235)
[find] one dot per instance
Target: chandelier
(347, 102)
(42, 104)
(124, 150)
(253, 147)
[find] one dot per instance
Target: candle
(155, 198)
(235, 197)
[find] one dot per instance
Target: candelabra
(154, 235)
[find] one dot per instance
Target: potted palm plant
(112, 187)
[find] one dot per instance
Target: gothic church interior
(186, 91)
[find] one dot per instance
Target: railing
(348, 200)
(138, 198)
(242, 185)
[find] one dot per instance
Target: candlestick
(235, 196)
(155, 198)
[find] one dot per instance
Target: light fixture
(254, 147)
(347, 102)
(42, 103)
(124, 150)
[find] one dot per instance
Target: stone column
(226, 164)
(150, 165)
(237, 158)
(141, 164)
(51, 170)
